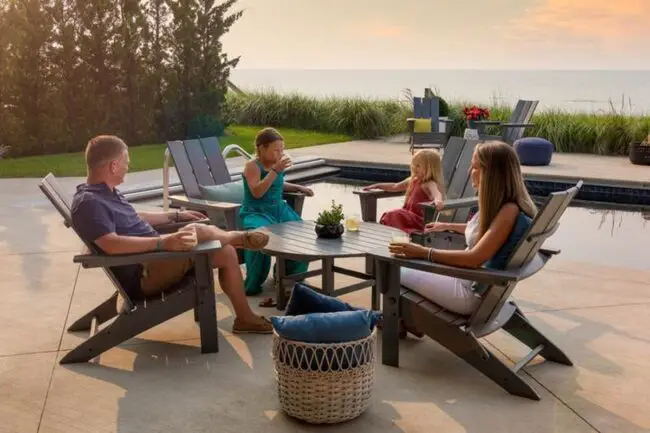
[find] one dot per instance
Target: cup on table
(353, 223)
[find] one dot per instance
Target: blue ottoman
(534, 151)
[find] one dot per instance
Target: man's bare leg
(238, 239)
(232, 283)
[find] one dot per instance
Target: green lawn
(150, 156)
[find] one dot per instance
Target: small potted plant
(328, 223)
(475, 113)
(639, 152)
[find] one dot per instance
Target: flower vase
(471, 132)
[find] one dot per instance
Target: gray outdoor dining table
(297, 240)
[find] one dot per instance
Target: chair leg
(375, 296)
(520, 328)
(129, 324)
(206, 305)
(469, 349)
(103, 312)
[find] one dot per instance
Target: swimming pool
(608, 236)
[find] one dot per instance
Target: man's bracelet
(159, 244)
(430, 254)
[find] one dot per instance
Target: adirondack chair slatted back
(542, 227)
(453, 151)
(427, 108)
(216, 161)
(522, 113)
(54, 193)
(184, 169)
(459, 185)
(199, 162)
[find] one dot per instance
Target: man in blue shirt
(102, 216)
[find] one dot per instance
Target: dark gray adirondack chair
(514, 129)
(200, 162)
(456, 161)
(194, 292)
(428, 108)
(460, 334)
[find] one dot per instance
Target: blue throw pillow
(304, 300)
(338, 327)
(232, 192)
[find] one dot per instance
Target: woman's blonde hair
(431, 164)
(501, 182)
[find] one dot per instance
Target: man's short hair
(102, 149)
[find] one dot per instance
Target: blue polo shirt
(96, 211)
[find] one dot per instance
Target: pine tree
(28, 31)
(128, 51)
(200, 69)
(156, 63)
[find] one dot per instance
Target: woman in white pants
(505, 212)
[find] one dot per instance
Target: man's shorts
(159, 275)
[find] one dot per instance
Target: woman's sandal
(270, 302)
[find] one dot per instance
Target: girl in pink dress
(425, 185)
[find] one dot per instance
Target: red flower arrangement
(476, 113)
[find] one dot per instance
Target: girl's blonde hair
(431, 164)
(501, 182)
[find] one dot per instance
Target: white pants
(450, 293)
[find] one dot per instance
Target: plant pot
(639, 153)
(329, 231)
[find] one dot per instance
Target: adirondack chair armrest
(203, 205)
(105, 260)
(174, 227)
(517, 125)
(488, 122)
(376, 194)
(457, 203)
(480, 275)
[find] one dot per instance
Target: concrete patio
(159, 382)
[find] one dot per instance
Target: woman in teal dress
(264, 205)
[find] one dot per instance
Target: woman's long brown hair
(501, 182)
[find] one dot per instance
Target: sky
(441, 34)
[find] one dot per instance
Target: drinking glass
(353, 223)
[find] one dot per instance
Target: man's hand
(190, 215)
(180, 241)
(408, 250)
(307, 191)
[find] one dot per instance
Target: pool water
(611, 237)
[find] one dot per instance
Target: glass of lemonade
(353, 223)
(400, 238)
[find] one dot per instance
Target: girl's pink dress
(409, 218)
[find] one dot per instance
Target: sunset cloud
(604, 21)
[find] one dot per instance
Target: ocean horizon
(623, 91)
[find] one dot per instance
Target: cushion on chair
(338, 327)
(534, 151)
(232, 192)
(422, 125)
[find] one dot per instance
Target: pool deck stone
(159, 382)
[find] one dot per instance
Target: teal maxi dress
(261, 212)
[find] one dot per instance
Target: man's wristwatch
(159, 244)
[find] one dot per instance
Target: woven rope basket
(325, 383)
